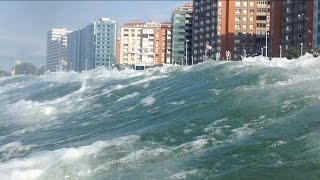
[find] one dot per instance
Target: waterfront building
(118, 51)
(182, 34)
(162, 43)
(56, 49)
(237, 26)
(292, 25)
(93, 45)
(316, 25)
(145, 43)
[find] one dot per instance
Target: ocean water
(255, 119)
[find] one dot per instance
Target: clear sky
(24, 24)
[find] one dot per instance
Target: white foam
(25, 112)
(129, 96)
(187, 131)
(147, 79)
(216, 91)
(33, 166)
(183, 174)
(177, 103)
(307, 61)
(192, 146)
(29, 112)
(242, 132)
(148, 101)
(278, 143)
(136, 157)
(113, 88)
(11, 149)
(143, 155)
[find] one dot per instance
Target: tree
(292, 54)
(28, 68)
(314, 51)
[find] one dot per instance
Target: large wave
(253, 119)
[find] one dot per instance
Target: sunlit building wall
(56, 48)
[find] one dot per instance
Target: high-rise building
(316, 26)
(118, 51)
(237, 26)
(56, 49)
(74, 51)
(292, 25)
(93, 45)
(182, 34)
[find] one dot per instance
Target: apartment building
(237, 26)
(118, 51)
(182, 34)
(93, 45)
(316, 26)
(144, 43)
(292, 25)
(56, 48)
(162, 44)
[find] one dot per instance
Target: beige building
(145, 43)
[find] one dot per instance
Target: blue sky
(24, 24)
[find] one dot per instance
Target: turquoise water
(216, 120)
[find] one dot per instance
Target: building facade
(145, 43)
(182, 34)
(292, 25)
(162, 43)
(56, 49)
(93, 45)
(316, 22)
(237, 26)
(118, 51)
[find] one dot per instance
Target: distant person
(13, 71)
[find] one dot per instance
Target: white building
(56, 49)
(137, 43)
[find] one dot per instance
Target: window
(288, 47)
(261, 18)
(288, 37)
(289, 19)
(289, 10)
(288, 28)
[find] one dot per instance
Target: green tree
(292, 54)
(314, 51)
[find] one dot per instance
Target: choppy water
(217, 120)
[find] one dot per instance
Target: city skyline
(27, 23)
